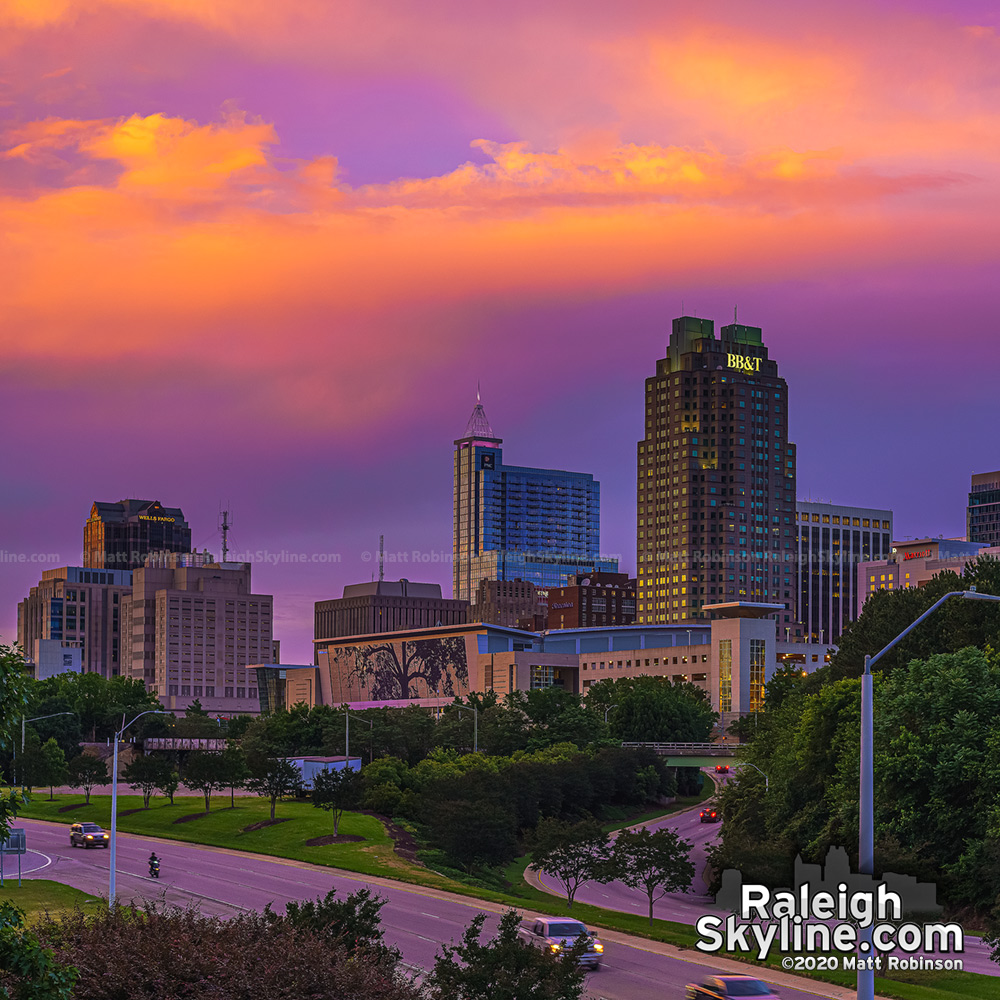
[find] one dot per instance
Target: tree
(575, 853)
(205, 772)
(654, 710)
(353, 923)
(273, 778)
(148, 773)
(235, 768)
(13, 701)
(26, 966)
(656, 863)
(336, 791)
(85, 771)
(504, 968)
(169, 782)
(54, 763)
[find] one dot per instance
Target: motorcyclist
(154, 865)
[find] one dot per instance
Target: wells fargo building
(716, 478)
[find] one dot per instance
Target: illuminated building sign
(556, 607)
(917, 555)
(148, 517)
(743, 363)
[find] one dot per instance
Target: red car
(722, 768)
(709, 816)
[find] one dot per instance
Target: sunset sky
(260, 254)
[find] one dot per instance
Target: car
(722, 769)
(556, 934)
(88, 835)
(709, 815)
(724, 987)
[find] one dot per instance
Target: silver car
(557, 934)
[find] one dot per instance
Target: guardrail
(688, 749)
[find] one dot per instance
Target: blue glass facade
(518, 523)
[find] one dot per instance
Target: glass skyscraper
(715, 478)
(512, 522)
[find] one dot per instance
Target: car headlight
(598, 946)
(555, 947)
(90, 836)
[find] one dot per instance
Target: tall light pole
(114, 803)
(866, 802)
(608, 709)
(37, 718)
(475, 725)
(347, 732)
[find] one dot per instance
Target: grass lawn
(38, 896)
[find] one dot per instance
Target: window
(757, 647)
(726, 675)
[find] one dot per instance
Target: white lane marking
(27, 871)
(432, 915)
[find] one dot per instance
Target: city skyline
(266, 268)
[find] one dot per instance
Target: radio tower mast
(224, 527)
(381, 557)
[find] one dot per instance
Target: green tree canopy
(656, 863)
(504, 968)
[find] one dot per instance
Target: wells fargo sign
(744, 364)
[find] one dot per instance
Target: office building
(121, 535)
(594, 600)
(196, 626)
(513, 603)
(716, 478)
(832, 542)
(79, 607)
(982, 517)
(914, 563)
(517, 523)
(386, 606)
(730, 658)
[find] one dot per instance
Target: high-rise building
(832, 542)
(716, 478)
(195, 626)
(982, 518)
(79, 607)
(593, 601)
(511, 522)
(121, 535)
(386, 606)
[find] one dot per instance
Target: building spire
(478, 425)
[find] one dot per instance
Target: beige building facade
(194, 627)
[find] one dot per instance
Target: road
(686, 908)
(415, 919)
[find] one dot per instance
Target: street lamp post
(866, 802)
(37, 718)
(475, 726)
(608, 709)
(347, 732)
(746, 763)
(114, 802)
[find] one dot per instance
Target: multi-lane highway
(415, 919)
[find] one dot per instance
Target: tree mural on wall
(393, 669)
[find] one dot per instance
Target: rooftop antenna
(224, 527)
(381, 557)
(478, 396)
(734, 314)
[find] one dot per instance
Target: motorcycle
(154, 869)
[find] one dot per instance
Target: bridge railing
(688, 749)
